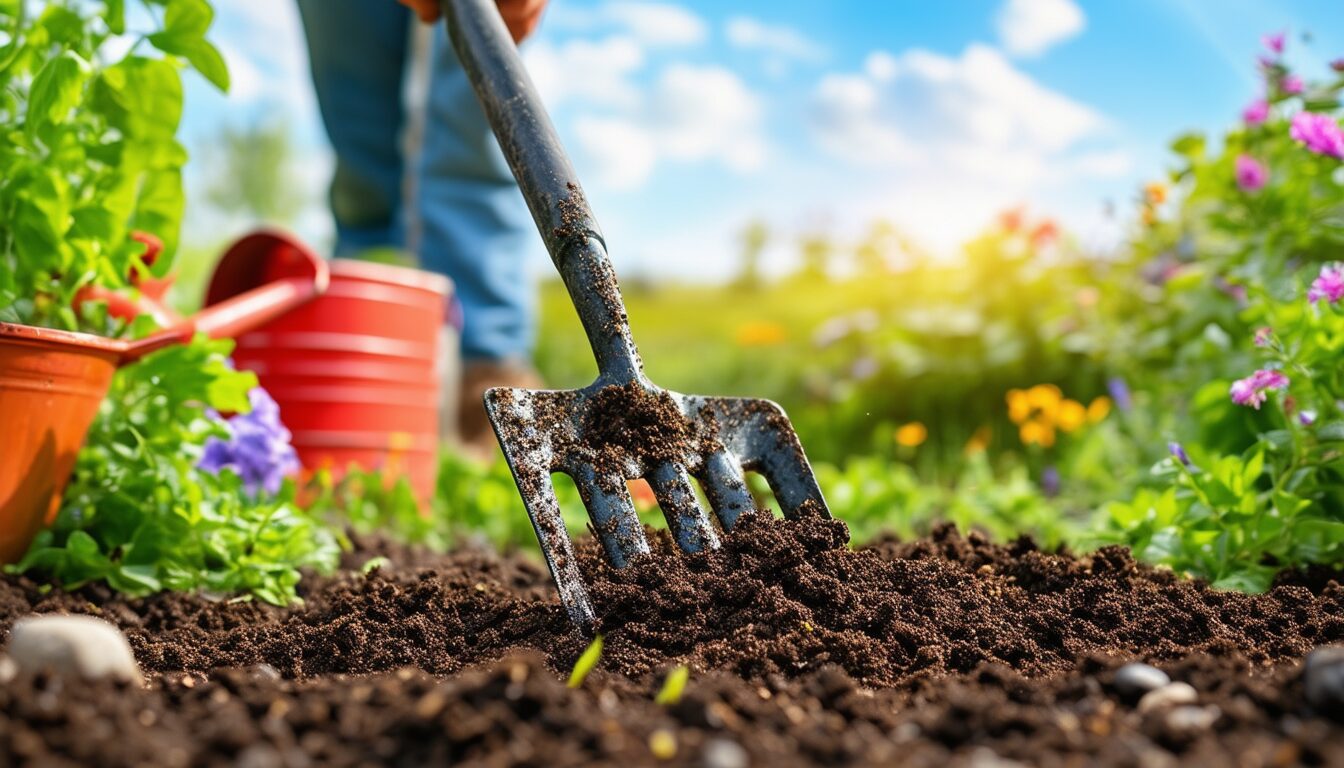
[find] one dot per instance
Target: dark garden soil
(944, 651)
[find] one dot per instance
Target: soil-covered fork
(621, 426)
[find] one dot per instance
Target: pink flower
(1256, 112)
(1291, 84)
(1273, 42)
(1329, 287)
(1251, 173)
(1262, 336)
(1320, 133)
(1253, 389)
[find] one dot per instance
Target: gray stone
(1323, 677)
(1170, 695)
(1189, 720)
(72, 645)
(724, 753)
(1134, 680)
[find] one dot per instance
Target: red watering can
(51, 382)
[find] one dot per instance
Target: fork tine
(544, 509)
(615, 520)
(790, 477)
(689, 523)
(725, 488)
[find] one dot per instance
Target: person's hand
(520, 16)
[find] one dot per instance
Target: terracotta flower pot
(51, 382)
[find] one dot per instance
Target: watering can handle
(231, 317)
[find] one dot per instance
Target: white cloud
(950, 140)
(651, 23)
(1030, 27)
(592, 71)
(690, 114)
(752, 34)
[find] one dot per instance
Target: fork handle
(547, 180)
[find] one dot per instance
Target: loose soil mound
(801, 651)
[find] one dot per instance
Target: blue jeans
(472, 223)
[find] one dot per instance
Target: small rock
(1189, 720)
(724, 753)
(72, 644)
(1170, 695)
(1134, 680)
(1323, 675)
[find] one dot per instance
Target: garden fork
(621, 426)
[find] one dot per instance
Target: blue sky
(688, 119)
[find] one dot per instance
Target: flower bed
(800, 651)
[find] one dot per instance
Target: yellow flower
(760, 334)
(1155, 192)
(912, 435)
(1045, 398)
(1019, 408)
(1037, 433)
(1072, 415)
(979, 441)
(1098, 409)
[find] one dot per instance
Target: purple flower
(1253, 389)
(1178, 452)
(1050, 482)
(1251, 173)
(1120, 394)
(1306, 418)
(258, 448)
(1262, 336)
(1320, 133)
(1292, 84)
(1273, 42)
(1256, 112)
(1329, 287)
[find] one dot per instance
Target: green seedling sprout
(373, 563)
(586, 663)
(673, 686)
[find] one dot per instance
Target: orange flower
(1155, 192)
(1098, 409)
(979, 441)
(760, 334)
(1148, 216)
(1045, 232)
(1037, 433)
(1072, 415)
(641, 493)
(912, 435)
(1011, 220)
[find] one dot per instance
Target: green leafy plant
(89, 151)
(142, 516)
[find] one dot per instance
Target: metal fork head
(606, 434)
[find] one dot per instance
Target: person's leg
(358, 52)
(473, 223)
(474, 227)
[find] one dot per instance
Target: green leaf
(116, 16)
(586, 663)
(188, 18)
(1332, 431)
(56, 90)
(199, 52)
